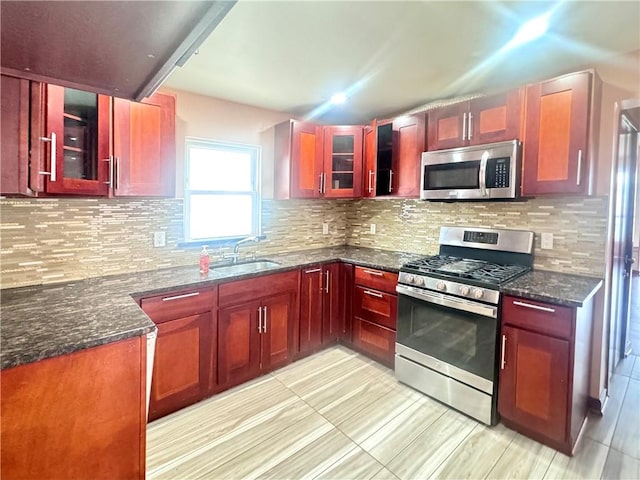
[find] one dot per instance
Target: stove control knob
(420, 281)
(464, 290)
(410, 278)
(478, 293)
(441, 286)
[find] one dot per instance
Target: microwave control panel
(498, 172)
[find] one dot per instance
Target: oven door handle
(458, 304)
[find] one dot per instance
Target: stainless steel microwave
(490, 171)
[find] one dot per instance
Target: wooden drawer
(179, 304)
(537, 316)
(377, 279)
(375, 306)
(374, 340)
(242, 291)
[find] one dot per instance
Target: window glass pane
(214, 216)
(218, 169)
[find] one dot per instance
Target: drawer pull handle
(504, 347)
(313, 270)
(374, 294)
(371, 272)
(178, 297)
(535, 307)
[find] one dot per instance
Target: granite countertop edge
(26, 337)
(563, 289)
(64, 318)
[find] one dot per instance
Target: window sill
(216, 243)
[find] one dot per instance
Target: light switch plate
(546, 241)
(159, 239)
(372, 229)
(325, 229)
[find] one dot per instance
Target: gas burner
(474, 271)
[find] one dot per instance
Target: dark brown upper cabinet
(392, 154)
(62, 141)
(298, 160)
(312, 161)
(495, 118)
(123, 49)
(559, 142)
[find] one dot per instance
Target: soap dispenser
(204, 261)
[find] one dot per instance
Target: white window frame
(255, 152)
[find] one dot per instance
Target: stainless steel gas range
(448, 316)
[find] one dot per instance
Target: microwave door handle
(482, 176)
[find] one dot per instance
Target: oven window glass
(447, 176)
(462, 339)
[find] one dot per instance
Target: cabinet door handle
(324, 183)
(579, 174)
(259, 319)
(313, 270)
(110, 160)
(371, 272)
(464, 126)
(326, 284)
(504, 348)
(320, 184)
(264, 319)
(374, 294)
(534, 307)
(178, 297)
(390, 180)
(54, 167)
(117, 172)
(371, 173)
(470, 129)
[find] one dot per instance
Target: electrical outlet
(325, 229)
(372, 229)
(159, 239)
(546, 241)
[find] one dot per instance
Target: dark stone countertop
(553, 287)
(40, 322)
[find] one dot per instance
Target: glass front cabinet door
(342, 162)
(76, 151)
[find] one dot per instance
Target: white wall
(215, 119)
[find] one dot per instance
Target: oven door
(454, 336)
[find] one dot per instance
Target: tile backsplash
(578, 224)
(57, 240)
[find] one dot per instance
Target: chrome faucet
(236, 247)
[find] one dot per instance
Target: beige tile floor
(339, 415)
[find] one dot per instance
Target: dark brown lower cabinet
(239, 343)
(544, 370)
(376, 341)
(323, 298)
(534, 385)
(80, 415)
(311, 298)
(185, 362)
(375, 312)
(256, 323)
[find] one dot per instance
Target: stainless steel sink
(246, 267)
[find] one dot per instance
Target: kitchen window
(222, 194)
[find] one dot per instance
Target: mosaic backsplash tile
(578, 224)
(57, 240)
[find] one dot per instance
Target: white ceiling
(394, 56)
